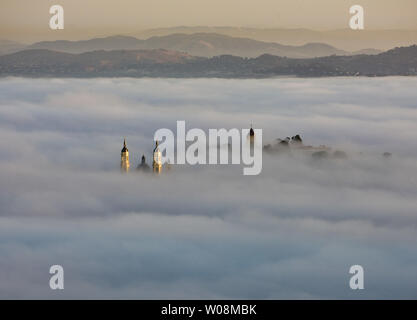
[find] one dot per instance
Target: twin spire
(157, 159)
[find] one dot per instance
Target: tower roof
(251, 132)
(156, 146)
(124, 146)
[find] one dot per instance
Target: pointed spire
(251, 132)
(156, 146)
(124, 146)
(124, 162)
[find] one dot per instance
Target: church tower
(251, 134)
(124, 162)
(143, 165)
(251, 139)
(157, 159)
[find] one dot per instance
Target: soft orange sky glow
(28, 20)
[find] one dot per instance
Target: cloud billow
(207, 231)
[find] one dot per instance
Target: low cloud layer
(207, 231)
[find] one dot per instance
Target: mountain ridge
(168, 63)
(344, 39)
(197, 44)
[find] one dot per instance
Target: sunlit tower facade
(157, 159)
(124, 161)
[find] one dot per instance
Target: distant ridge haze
(198, 44)
(344, 39)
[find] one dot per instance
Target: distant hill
(168, 63)
(7, 46)
(344, 39)
(198, 44)
(46, 62)
(107, 43)
(212, 44)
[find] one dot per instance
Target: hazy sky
(28, 20)
(207, 232)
